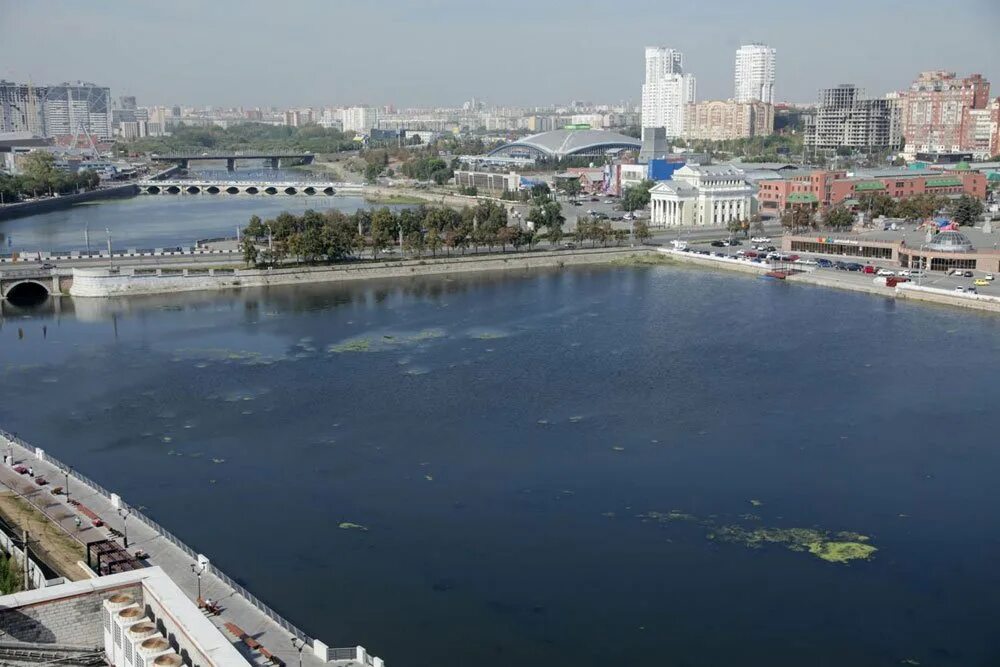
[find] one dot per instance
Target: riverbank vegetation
(245, 137)
(41, 177)
(335, 236)
(11, 578)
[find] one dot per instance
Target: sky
(511, 52)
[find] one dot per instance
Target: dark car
(770, 248)
(718, 244)
(854, 266)
(825, 263)
(840, 266)
(968, 274)
(595, 199)
(48, 265)
(735, 242)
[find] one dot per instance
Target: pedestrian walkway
(239, 607)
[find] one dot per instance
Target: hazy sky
(442, 52)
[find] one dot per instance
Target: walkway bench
(252, 643)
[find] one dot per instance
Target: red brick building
(822, 189)
(936, 112)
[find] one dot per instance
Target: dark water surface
(499, 436)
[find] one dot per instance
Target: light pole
(124, 514)
(270, 238)
(198, 569)
(66, 475)
(299, 644)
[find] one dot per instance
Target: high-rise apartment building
(666, 91)
(78, 107)
(846, 118)
(21, 108)
(754, 76)
(360, 120)
(936, 111)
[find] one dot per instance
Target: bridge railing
(288, 626)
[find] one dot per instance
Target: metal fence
(170, 537)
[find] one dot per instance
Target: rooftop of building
(559, 143)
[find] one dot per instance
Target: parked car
(885, 272)
(981, 282)
(968, 274)
(48, 265)
(760, 239)
(735, 242)
(988, 276)
(718, 244)
(854, 266)
(824, 263)
(840, 266)
(868, 268)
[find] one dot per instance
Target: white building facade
(666, 91)
(754, 74)
(360, 120)
(701, 196)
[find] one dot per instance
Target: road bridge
(274, 159)
(30, 285)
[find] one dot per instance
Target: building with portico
(701, 196)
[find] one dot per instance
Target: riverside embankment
(22, 209)
(105, 282)
(850, 282)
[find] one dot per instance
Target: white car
(885, 272)
(760, 239)
(988, 276)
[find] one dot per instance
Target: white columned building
(701, 196)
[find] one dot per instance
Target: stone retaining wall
(22, 209)
(105, 283)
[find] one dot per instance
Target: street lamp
(66, 475)
(124, 514)
(198, 569)
(299, 644)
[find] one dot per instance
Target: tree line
(336, 236)
(964, 211)
(41, 177)
(246, 137)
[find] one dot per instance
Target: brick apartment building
(822, 189)
(936, 112)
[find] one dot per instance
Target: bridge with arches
(179, 187)
(30, 285)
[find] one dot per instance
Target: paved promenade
(175, 560)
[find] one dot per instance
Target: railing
(170, 537)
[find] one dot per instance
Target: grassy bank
(48, 541)
(644, 259)
(397, 199)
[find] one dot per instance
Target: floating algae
(755, 502)
(355, 345)
(618, 448)
(218, 460)
(666, 517)
(429, 478)
(347, 525)
(818, 543)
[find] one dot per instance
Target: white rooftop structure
(701, 196)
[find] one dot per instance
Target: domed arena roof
(560, 143)
(950, 241)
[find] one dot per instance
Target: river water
(530, 469)
(159, 221)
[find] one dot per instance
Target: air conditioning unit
(121, 621)
(167, 660)
(150, 649)
(134, 636)
(112, 606)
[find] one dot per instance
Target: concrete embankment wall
(834, 280)
(55, 203)
(104, 283)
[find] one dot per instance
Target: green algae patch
(755, 502)
(842, 552)
(347, 525)
(667, 517)
(807, 540)
(356, 345)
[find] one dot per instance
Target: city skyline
(442, 52)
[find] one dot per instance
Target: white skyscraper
(754, 74)
(666, 90)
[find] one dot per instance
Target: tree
(571, 186)
(382, 227)
(734, 226)
(637, 197)
(877, 204)
(966, 210)
(249, 249)
(838, 218)
(434, 241)
(372, 171)
(640, 229)
(757, 225)
(414, 242)
(797, 218)
(40, 167)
